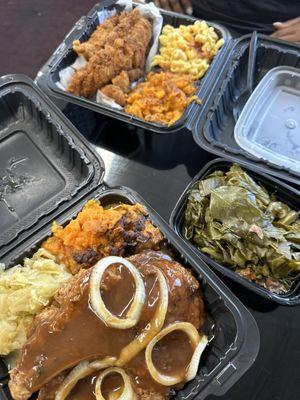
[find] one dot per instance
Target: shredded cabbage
(24, 292)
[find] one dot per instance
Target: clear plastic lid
(269, 125)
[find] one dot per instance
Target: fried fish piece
(101, 36)
(116, 93)
(121, 85)
(122, 81)
(121, 45)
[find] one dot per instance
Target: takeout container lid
(271, 116)
(198, 117)
(282, 191)
(64, 55)
(269, 125)
(45, 163)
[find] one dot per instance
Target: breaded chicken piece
(97, 232)
(98, 39)
(121, 85)
(57, 328)
(115, 92)
(124, 48)
(135, 74)
(122, 81)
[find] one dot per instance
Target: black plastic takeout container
(43, 162)
(234, 336)
(65, 56)
(215, 130)
(283, 193)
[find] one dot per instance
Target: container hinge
(225, 374)
(104, 186)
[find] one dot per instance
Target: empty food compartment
(269, 124)
(42, 163)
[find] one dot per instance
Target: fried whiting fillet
(97, 232)
(119, 44)
(68, 331)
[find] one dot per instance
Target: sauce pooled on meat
(69, 331)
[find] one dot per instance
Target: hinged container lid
(214, 122)
(45, 164)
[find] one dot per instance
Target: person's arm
(180, 6)
(289, 30)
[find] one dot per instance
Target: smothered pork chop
(126, 328)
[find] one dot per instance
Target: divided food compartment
(44, 161)
(233, 333)
(64, 56)
(283, 193)
(215, 131)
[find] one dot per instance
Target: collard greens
(236, 222)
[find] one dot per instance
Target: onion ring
(198, 343)
(83, 369)
(97, 303)
(127, 393)
(154, 326)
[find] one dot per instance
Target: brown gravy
(84, 336)
(84, 390)
(171, 356)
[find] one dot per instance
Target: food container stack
(99, 297)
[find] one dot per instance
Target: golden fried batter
(97, 232)
(119, 44)
(122, 81)
(103, 34)
(115, 92)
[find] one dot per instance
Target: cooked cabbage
(24, 292)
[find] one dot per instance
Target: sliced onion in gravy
(154, 326)
(97, 302)
(198, 343)
(127, 393)
(82, 370)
